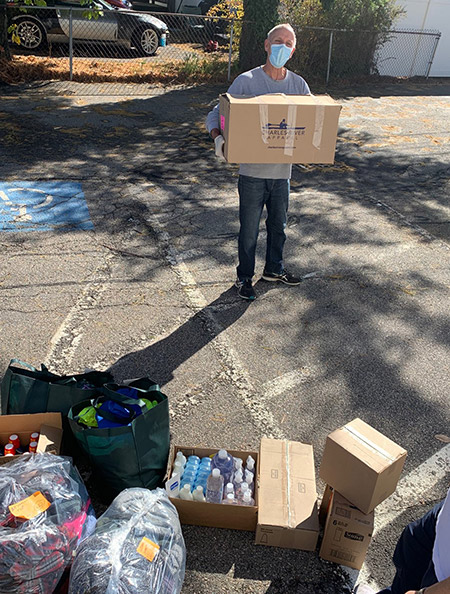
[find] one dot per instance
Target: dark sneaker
(284, 277)
(245, 289)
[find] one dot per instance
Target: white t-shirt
(441, 549)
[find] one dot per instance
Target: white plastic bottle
(229, 488)
(249, 481)
(181, 458)
(247, 499)
(185, 493)
(177, 468)
(238, 462)
(238, 478)
(214, 487)
(242, 489)
(250, 464)
(230, 500)
(198, 494)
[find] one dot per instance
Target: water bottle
(224, 462)
(185, 492)
(201, 479)
(198, 494)
(247, 499)
(187, 478)
(230, 500)
(214, 487)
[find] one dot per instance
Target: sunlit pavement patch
(43, 206)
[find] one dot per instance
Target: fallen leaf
(444, 438)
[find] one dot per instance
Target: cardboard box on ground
(285, 512)
(279, 128)
(48, 425)
(348, 531)
(362, 464)
(358, 458)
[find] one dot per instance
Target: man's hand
(219, 141)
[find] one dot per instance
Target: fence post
(70, 46)
(329, 56)
(230, 51)
(430, 63)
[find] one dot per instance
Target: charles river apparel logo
(283, 129)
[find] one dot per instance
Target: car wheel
(31, 34)
(146, 41)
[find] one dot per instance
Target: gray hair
(282, 26)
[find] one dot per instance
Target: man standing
(263, 184)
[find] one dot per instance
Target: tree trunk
(4, 45)
(259, 17)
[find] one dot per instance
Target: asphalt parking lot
(141, 282)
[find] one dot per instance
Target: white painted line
(234, 370)
(283, 383)
(67, 338)
(410, 491)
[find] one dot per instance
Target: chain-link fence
(100, 43)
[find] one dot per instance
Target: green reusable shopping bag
(133, 455)
(30, 390)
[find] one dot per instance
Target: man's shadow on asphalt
(160, 359)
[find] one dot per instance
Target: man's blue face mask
(279, 54)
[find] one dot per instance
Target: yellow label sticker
(30, 507)
(147, 548)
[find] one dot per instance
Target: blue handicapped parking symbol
(43, 206)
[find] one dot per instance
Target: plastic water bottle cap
(223, 454)
(199, 489)
(244, 487)
(238, 477)
(215, 472)
(187, 487)
(230, 497)
(247, 496)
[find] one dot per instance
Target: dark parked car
(36, 27)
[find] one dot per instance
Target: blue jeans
(413, 555)
(254, 193)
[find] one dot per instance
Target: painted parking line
(411, 489)
(288, 381)
(43, 206)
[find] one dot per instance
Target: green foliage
(260, 16)
(230, 9)
(366, 24)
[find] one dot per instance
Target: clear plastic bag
(137, 547)
(34, 552)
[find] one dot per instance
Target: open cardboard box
(285, 511)
(198, 513)
(49, 426)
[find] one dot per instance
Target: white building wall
(402, 56)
